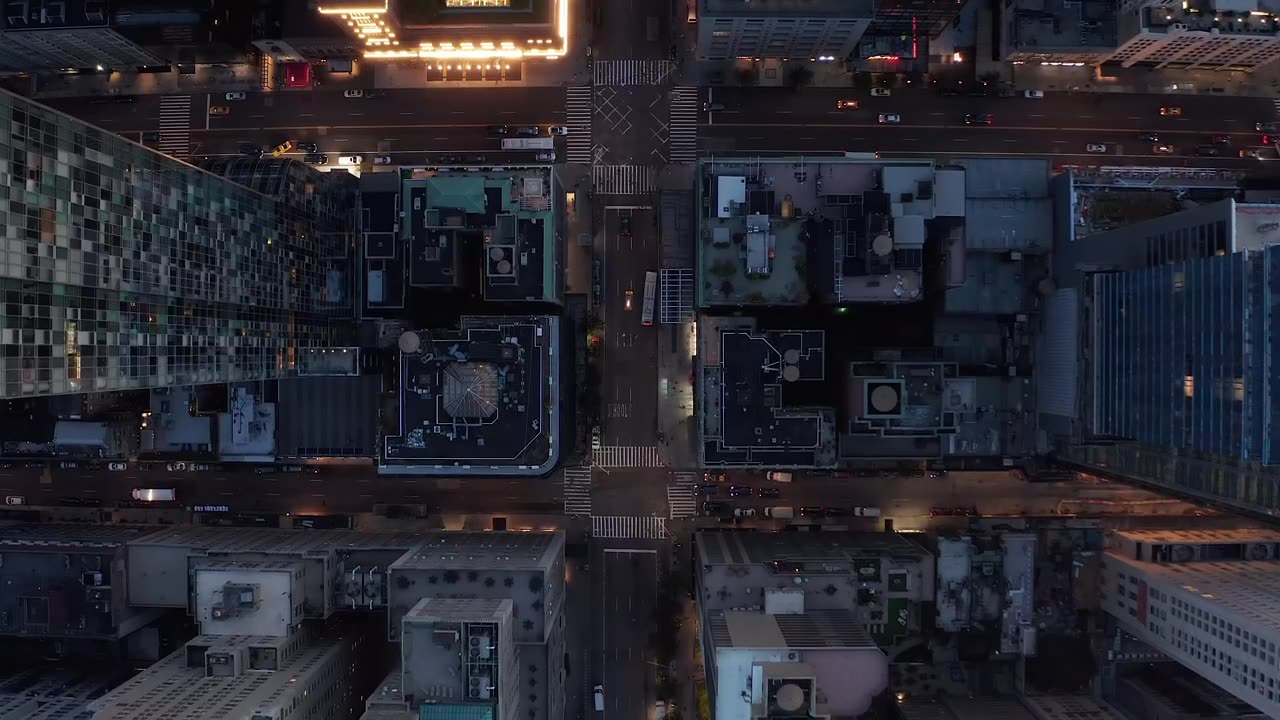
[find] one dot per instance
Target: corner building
(122, 268)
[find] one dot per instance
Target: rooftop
(1049, 25)
(813, 629)
(789, 8)
(746, 418)
(479, 400)
(52, 14)
(1212, 16)
(795, 231)
(815, 550)
(335, 416)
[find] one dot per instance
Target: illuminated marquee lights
(367, 21)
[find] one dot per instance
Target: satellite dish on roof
(410, 342)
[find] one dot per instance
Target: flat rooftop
(1050, 25)
(816, 549)
(789, 8)
(53, 14)
(789, 231)
(812, 629)
(479, 400)
(747, 418)
(1205, 16)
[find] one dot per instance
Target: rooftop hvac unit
(1260, 551)
(480, 647)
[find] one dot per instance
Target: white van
(154, 494)
(778, 476)
(599, 698)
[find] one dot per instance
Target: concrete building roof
(813, 629)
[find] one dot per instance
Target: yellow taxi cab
(846, 104)
(216, 110)
(282, 148)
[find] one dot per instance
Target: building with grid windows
(1197, 35)
(1208, 599)
(776, 29)
(124, 269)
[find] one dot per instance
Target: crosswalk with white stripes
(631, 72)
(682, 499)
(578, 109)
(622, 179)
(1276, 103)
(577, 490)
(625, 456)
(682, 134)
(625, 527)
(175, 125)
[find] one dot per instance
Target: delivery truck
(780, 512)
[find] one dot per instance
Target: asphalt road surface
(630, 373)
(628, 586)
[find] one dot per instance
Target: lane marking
(976, 128)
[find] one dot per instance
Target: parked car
(352, 93)
(14, 500)
(235, 96)
(176, 466)
(714, 477)
(890, 118)
(879, 92)
(382, 160)
(545, 157)
(710, 507)
(117, 466)
(350, 159)
(1095, 148)
(450, 159)
(1171, 111)
(1034, 94)
(475, 159)
(778, 476)
(291, 468)
(316, 159)
(308, 147)
(264, 469)
(528, 131)
(155, 494)
(744, 512)
(218, 110)
(557, 130)
(498, 130)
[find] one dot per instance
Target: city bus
(650, 289)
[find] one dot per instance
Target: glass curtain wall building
(123, 268)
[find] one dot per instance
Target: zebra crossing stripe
(682, 499)
(626, 456)
(577, 490)
(625, 527)
(631, 72)
(175, 125)
(579, 106)
(682, 138)
(622, 179)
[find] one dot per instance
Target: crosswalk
(631, 72)
(682, 497)
(175, 125)
(625, 527)
(622, 179)
(1276, 104)
(577, 490)
(682, 136)
(578, 108)
(626, 456)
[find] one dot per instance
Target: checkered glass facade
(122, 268)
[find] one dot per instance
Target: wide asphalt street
(627, 584)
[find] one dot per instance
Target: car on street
(308, 147)
(890, 118)
(624, 226)
(155, 494)
(382, 160)
(316, 159)
(219, 110)
(251, 151)
(626, 301)
(450, 159)
(1095, 148)
(744, 512)
(545, 157)
(879, 92)
(740, 491)
(176, 467)
(977, 119)
(709, 489)
(1267, 126)
(1162, 149)
(712, 107)
(1034, 94)
(954, 511)
(596, 443)
(1170, 111)
(1150, 137)
(117, 466)
(557, 130)
(1256, 153)
(350, 159)
(475, 159)
(68, 464)
(712, 506)
(201, 467)
(810, 511)
(714, 477)
(1220, 140)
(1208, 150)
(498, 130)
(264, 469)
(352, 93)
(528, 131)
(769, 492)
(847, 104)
(282, 148)
(291, 468)
(234, 96)
(14, 500)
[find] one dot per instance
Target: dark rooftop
(47, 14)
(334, 416)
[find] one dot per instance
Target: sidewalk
(244, 77)
(1262, 83)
